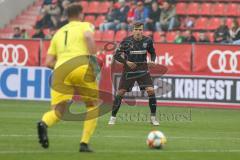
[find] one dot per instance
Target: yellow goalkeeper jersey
(69, 41)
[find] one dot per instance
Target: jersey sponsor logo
(227, 61)
(13, 55)
(139, 52)
(144, 45)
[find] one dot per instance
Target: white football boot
(154, 121)
(112, 120)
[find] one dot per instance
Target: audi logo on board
(227, 61)
(13, 55)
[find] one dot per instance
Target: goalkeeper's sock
(153, 104)
(50, 118)
(89, 124)
(116, 105)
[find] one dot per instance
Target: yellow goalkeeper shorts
(80, 82)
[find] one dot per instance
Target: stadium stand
(120, 35)
(98, 35)
(205, 14)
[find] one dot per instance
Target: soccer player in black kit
(132, 53)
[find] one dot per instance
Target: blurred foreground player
(132, 52)
(73, 40)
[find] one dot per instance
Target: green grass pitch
(193, 134)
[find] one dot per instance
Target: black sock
(153, 104)
(116, 105)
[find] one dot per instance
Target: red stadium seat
(104, 7)
(214, 23)
(99, 20)
(98, 35)
(23, 21)
(206, 9)
(156, 37)
(90, 18)
(33, 12)
(148, 33)
(6, 35)
(170, 36)
(38, 3)
(196, 35)
(229, 22)
(27, 17)
(6, 30)
(218, 9)
(193, 9)
(201, 23)
(211, 36)
(108, 35)
(84, 5)
(120, 35)
(93, 7)
(22, 26)
(232, 9)
(181, 8)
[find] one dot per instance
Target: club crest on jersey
(144, 45)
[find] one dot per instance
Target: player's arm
(89, 37)
(51, 58)
(120, 55)
(50, 61)
(152, 52)
(91, 45)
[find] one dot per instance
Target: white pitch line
(126, 151)
(133, 137)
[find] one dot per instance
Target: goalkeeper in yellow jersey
(71, 48)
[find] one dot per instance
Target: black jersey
(135, 51)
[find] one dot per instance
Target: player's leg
(125, 85)
(118, 101)
(48, 120)
(89, 125)
(152, 105)
(152, 100)
(146, 83)
(86, 87)
(116, 105)
(59, 102)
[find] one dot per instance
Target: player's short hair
(137, 25)
(74, 10)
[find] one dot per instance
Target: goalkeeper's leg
(48, 120)
(89, 126)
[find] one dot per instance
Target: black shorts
(128, 80)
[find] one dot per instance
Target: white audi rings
(10, 55)
(227, 61)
